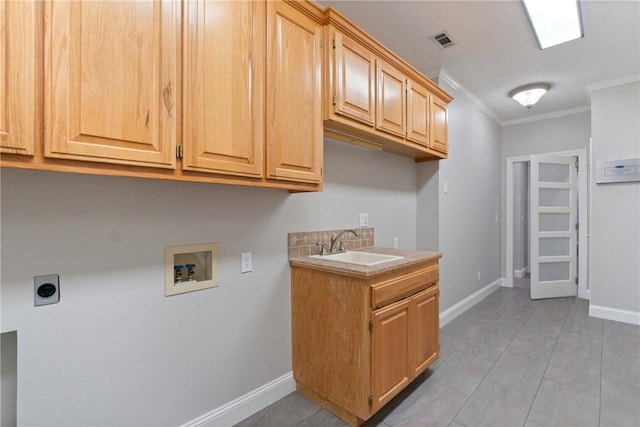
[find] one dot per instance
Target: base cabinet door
(18, 116)
(425, 327)
(390, 352)
(223, 121)
(111, 87)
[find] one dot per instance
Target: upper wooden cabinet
(202, 91)
(294, 94)
(373, 96)
(18, 54)
(111, 86)
(418, 109)
(391, 106)
(224, 69)
(353, 80)
(439, 125)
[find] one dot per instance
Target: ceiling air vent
(442, 39)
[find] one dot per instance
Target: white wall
(468, 234)
(615, 221)
(115, 351)
(559, 134)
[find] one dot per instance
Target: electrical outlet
(395, 243)
(46, 289)
(245, 262)
(364, 220)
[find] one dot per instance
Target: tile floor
(508, 361)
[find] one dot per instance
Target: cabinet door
(390, 357)
(17, 82)
(354, 80)
(438, 127)
(417, 113)
(223, 119)
(425, 328)
(390, 99)
(294, 103)
(111, 81)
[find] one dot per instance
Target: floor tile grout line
(547, 363)
(492, 366)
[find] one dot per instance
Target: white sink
(360, 258)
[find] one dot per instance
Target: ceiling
(495, 49)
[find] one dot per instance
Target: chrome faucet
(335, 239)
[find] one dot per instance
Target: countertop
(410, 257)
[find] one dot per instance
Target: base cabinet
(358, 341)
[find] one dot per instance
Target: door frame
(583, 193)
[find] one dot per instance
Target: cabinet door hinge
(370, 401)
(334, 43)
(577, 226)
(370, 326)
(576, 280)
(179, 151)
(334, 100)
(577, 165)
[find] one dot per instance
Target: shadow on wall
(115, 220)
(365, 169)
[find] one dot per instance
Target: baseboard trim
(608, 313)
(520, 273)
(451, 313)
(247, 405)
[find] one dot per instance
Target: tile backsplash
(306, 242)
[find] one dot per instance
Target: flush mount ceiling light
(554, 21)
(528, 95)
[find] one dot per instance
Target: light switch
(364, 220)
(245, 262)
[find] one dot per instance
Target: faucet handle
(342, 247)
(323, 248)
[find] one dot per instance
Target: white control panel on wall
(191, 268)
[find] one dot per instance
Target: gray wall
(544, 136)
(615, 220)
(468, 234)
(520, 215)
(115, 351)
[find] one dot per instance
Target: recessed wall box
(191, 268)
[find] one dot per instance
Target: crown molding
(451, 81)
(551, 115)
(614, 82)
